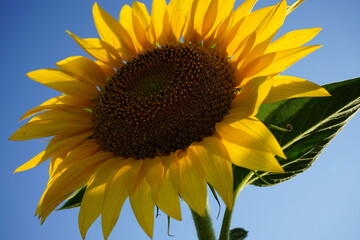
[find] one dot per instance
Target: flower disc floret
(163, 100)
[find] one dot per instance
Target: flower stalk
(203, 225)
(225, 227)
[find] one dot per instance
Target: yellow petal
(158, 11)
(89, 208)
(262, 35)
(285, 87)
(142, 25)
(240, 13)
(113, 33)
(154, 175)
(69, 114)
(143, 207)
(178, 16)
(251, 96)
(191, 181)
(196, 20)
(126, 21)
(117, 189)
(198, 11)
(244, 9)
(230, 27)
(243, 51)
(223, 20)
(64, 183)
(251, 159)
(63, 143)
(107, 70)
(293, 39)
(63, 101)
(168, 198)
(54, 122)
(250, 70)
(284, 59)
(210, 16)
(54, 163)
(217, 34)
(140, 34)
(92, 201)
(32, 162)
(84, 68)
(274, 63)
(64, 82)
(224, 9)
(250, 133)
(47, 128)
(99, 49)
(211, 155)
(242, 28)
(266, 31)
(271, 23)
(84, 150)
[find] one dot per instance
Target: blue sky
(322, 203)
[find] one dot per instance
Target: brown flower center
(162, 101)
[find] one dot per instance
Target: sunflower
(165, 106)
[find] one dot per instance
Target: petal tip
(17, 170)
(276, 168)
(324, 93)
(282, 155)
(70, 33)
(280, 170)
(13, 137)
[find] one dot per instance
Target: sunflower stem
(225, 227)
(203, 225)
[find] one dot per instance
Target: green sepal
(74, 201)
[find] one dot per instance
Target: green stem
(225, 228)
(204, 228)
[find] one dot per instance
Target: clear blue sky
(322, 203)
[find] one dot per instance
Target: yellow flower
(167, 106)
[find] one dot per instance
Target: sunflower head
(166, 104)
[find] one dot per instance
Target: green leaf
(238, 234)
(313, 123)
(74, 201)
